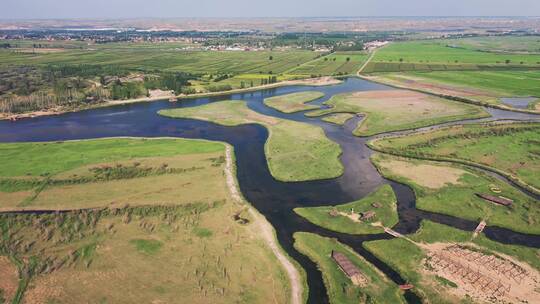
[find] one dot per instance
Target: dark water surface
(274, 199)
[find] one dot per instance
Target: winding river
(274, 199)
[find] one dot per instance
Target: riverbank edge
(324, 81)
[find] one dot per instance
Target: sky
(104, 9)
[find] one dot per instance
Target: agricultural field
(202, 240)
(509, 148)
(312, 156)
(508, 44)
(419, 263)
(393, 110)
(294, 102)
(338, 63)
(346, 218)
(489, 87)
(374, 287)
(452, 189)
(440, 55)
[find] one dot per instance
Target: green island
(510, 148)
(452, 189)
(339, 218)
(130, 207)
(294, 102)
(375, 288)
(313, 156)
(393, 110)
(416, 264)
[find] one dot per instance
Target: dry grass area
(392, 110)
(487, 278)
(424, 174)
(215, 261)
(9, 279)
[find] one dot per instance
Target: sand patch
(9, 278)
(484, 277)
(429, 176)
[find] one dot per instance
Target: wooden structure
(496, 199)
(406, 286)
(348, 268)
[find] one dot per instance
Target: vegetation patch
(393, 110)
(338, 118)
(293, 102)
(347, 218)
(340, 289)
(149, 247)
(312, 156)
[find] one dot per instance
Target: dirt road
(267, 232)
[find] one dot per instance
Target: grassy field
(94, 173)
(338, 118)
(378, 289)
(511, 148)
(386, 214)
(294, 102)
(409, 261)
(169, 238)
(339, 63)
(394, 110)
(312, 156)
(450, 189)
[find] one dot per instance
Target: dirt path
(267, 232)
(367, 62)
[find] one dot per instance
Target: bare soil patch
(484, 277)
(429, 176)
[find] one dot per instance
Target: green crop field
(295, 151)
(451, 189)
(339, 63)
(514, 44)
(441, 55)
(340, 289)
(385, 215)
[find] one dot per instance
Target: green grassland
(511, 148)
(386, 215)
(152, 235)
(294, 102)
(338, 118)
(339, 63)
(339, 288)
(95, 173)
(397, 110)
(450, 189)
(312, 156)
(409, 260)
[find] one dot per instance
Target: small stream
(274, 199)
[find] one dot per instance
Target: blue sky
(24, 9)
